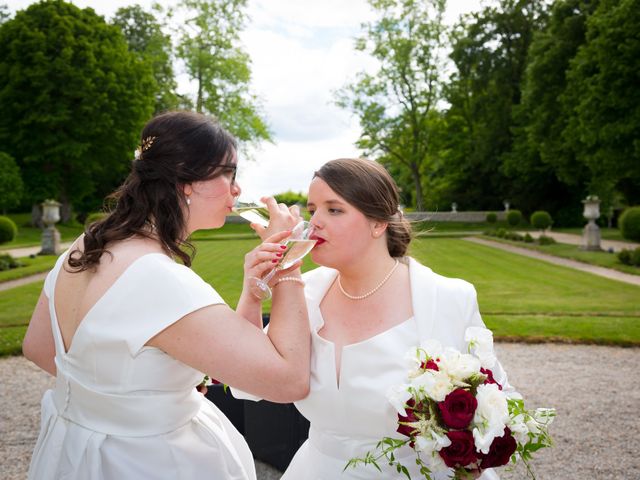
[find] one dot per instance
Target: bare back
(75, 294)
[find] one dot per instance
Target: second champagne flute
(298, 245)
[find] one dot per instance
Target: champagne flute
(252, 212)
(298, 245)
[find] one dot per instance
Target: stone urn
(50, 235)
(591, 231)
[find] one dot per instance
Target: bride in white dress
(368, 304)
(127, 331)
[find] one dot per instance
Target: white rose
(398, 396)
(436, 384)
(483, 438)
(480, 341)
(459, 366)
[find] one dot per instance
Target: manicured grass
(520, 298)
(510, 283)
(30, 236)
(31, 266)
(605, 233)
(572, 252)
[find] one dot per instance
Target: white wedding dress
(121, 410)
(350, 414)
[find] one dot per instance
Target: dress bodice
(121, 409)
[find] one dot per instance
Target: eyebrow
(329, 202)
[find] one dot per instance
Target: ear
(187, 189)
(378, 228)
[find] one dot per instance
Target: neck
(360, 277)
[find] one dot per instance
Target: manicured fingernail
(274, 261)
(278, 254)
(284, 247)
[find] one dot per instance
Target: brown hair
(177, 148)
(367, 186)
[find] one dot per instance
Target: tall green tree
(604, 100)
(542, 166)
(73, 99)
(397, 104)
(208, 43)
(146, 38)
(489, 51)
(11, 185)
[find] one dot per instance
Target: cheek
(211, 190)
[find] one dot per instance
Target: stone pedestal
(591, 232)
(50, 241)
(591, 237)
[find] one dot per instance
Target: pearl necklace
(368, 294)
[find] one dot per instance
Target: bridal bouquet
(455, 415)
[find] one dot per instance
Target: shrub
(541, 220)
(94, 217)
(544, 240)
(492, 218)
(291, 198)
(528, 238)
(629, 224)
(514, 217)
(635, 257)
(624, 256)
(514, 236)
(501, 233)
(489, 233)
(7, 262)
(8, 229)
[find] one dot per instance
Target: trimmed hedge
(629, 224)
(8, 229)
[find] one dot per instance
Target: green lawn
(572, 252)
(605, 233)
(30, 236)
(520, 298)
(31, 266)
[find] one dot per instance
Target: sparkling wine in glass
(298, 245)
(252, 212)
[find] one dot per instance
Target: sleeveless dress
(123, 410)
(350, 414)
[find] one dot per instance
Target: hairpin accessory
(144, 146)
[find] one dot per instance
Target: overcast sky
(301, 51)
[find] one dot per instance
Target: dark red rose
(430, 365)
(490, 378)
(458, 408)
(500, 451)
(461, 452)
(410, 416)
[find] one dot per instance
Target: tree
(602, 95)
(489, 50)
(11, 186)
(145, 37)
(72, 102)
(208, 44)
(545, 171)
(397, 104)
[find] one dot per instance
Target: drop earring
(188, 201)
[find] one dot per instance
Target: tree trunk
(66, 211)
(415, 171)
(36, 216)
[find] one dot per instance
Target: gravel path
(565, 262)
(595, 390)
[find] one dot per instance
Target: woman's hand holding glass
(262, 259)
(280, 217)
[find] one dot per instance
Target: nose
(235, 189)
